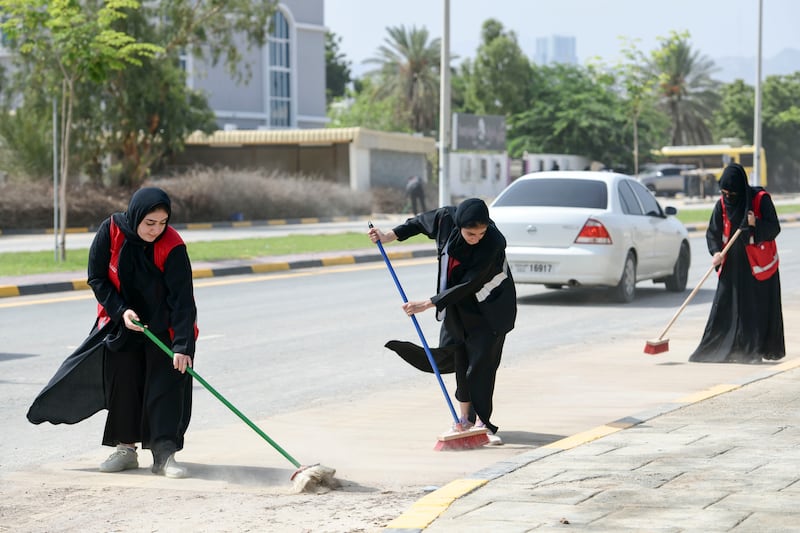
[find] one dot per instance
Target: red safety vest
(161, 249)
(763, 256)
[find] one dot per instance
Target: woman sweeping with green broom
(475, 300)
(139, 271)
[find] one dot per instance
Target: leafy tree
(498, 81)
(66, 43)
(150, 111)
(781, 129)
(364, 109)
(337, 68)
(686, 91)
(408, 71)
(637, 85)
(26, 141)
(573, 110)
(734, 116)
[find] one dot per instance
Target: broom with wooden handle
(661, 345)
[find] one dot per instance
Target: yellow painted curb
(583, 437)
(199, 225)
(202, 273)
(708, 393)
(344, 260)
(429, 507)
(270, 267)
(400, 255)
(8, 290)
(79, 284)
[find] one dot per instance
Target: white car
(594, 229)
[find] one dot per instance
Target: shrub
(200, 195)
(213, 195)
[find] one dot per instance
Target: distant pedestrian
(746, 320)
(415, 191)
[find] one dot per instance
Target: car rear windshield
(555, 192)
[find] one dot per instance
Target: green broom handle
(219, 396)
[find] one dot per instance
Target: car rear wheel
(625, 290)
(677, 281)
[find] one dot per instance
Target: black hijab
(142, 202)
(734, 180)
(470, 213)
(141, 281)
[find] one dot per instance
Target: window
(630, 205)
(280, 92)
(648, 201)
(556, 193)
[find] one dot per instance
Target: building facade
(287, 87)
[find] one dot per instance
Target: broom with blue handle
(455, 440)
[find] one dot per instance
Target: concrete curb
(204, 225)
(425, 510)
(7, 291)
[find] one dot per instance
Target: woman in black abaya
(746, 320)
(139, 271)
(476, 301)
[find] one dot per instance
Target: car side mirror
(671, 211)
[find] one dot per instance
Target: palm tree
(685, 90)
(409, 70)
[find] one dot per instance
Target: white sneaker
(494, 440)
(123, 458)
(174, 470)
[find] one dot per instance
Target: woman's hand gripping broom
(661, 345)
(310, 478)
(453, 440)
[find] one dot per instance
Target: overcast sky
(718, 28)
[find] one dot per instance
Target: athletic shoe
(123, 458)
(171, 468)
(494, 440)
(463, 425)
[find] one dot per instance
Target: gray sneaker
(170, 468)
(123, 459)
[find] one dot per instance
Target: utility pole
(444, 110)
(755, 176)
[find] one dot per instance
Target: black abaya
(745, 324)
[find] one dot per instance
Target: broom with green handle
(305, 478)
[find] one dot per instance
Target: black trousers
(148, 400)
(476, 362)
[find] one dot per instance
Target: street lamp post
(755, 176)
(444, 110)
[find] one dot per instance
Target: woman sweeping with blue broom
(475, 300)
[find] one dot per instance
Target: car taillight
(593, 232)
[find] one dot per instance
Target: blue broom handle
(419, 332)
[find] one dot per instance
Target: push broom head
(315, 478)
(462, 440)
(657, 346)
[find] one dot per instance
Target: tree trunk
(66, 124)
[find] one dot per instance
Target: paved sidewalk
(726, 459)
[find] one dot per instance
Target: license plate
(539, 268)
